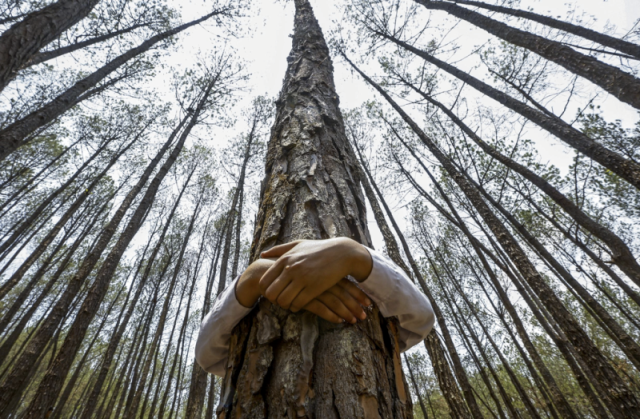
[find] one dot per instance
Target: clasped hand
(311, 275)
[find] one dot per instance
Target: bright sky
(268, 45)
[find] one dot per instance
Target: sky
(267, 44)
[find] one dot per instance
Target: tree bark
(296, 364)
(26, 38)
(625, 168)
(619, 398)
(13, 136)
(584, 32)
(620, 84)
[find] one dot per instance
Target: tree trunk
(297, 365)
(453, 398)
(586, 33)
(59, 52)
(13, 387)
(105, 366)
(51, 235)
(11, 340)
(13, 136)
(33, 217)
(415, 388)
(198, 388)
(24, 39)
(619, 398)
(625, 168)
(622, 255)
(53, 380)
(620, 84)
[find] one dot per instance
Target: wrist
(360, 261)
(246, 291)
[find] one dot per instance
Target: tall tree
(27, 37)
(298, 364)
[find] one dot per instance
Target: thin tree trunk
(11, 340)
(625, 168)
(59, 52)
(15, 383)
(622, 255)
(51, 235)
(415, 388)
(460, 372)
(71, 384)
(584, 32)
(626, 343)
(33, 217)
(16, 194)
(13, 135)
(105, 366)
(309, 193)
(620, 84)
(26, 38)
(133, 409)
(618, 397)
(52, 381)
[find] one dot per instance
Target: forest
(150, 150)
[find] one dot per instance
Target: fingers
(321, 310)
(355, 292)
(286, 297)
(271, 289)
(277, 251)
(271, 274)
(349, 301)
(337, 306)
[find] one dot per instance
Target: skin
(310, 275)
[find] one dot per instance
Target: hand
(342, 302)
(307, 269)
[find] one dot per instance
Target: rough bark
(582, 31)
(14, 385)
(622, 255)
(14, 135)
(297, 365)
(625, 168)
(620, 84)
(24, 39)
(618, 397)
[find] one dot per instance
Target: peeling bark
(285, 365)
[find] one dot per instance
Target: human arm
(212, 347)
(305, 268)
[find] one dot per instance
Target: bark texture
(285, 365)
(24, 39)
